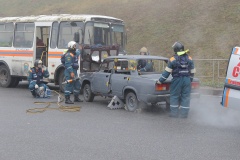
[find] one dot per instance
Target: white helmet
(72, 44)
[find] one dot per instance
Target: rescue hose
(60, 108)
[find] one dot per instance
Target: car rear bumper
(165, 97)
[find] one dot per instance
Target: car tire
(5, 77)
(61, 79)
(131, 101)
(87, 93)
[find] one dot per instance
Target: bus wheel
(61, 80)
(5, 77)
(14, 82)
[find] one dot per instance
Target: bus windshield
(118, 35)
(69, 31)
(97, 33)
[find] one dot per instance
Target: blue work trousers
(33, 90)
(72, 87)
(180, 91)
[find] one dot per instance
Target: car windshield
(141, 65)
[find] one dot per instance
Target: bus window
(97, 33)
(118, 35)
(23, 37)
(67, 30)
(6, 34)
(53, 43)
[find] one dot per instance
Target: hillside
(209, 28)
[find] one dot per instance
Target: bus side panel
(21, 67)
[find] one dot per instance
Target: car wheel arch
(129, 89)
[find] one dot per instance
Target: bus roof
(61, 17)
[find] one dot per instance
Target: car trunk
(155, 77)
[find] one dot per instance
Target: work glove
(36, 86)
(158, 82)
(44, 68)
(72, 75)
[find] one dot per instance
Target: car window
(107, 66)
(151, 65)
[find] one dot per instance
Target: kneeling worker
(35, 79)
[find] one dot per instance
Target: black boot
(77, 99)
(68, 100)
(34, 93)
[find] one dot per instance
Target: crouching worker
(35, 79)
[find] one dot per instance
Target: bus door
(41, 43)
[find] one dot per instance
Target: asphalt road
(97, 133)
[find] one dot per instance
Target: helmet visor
(40, 65)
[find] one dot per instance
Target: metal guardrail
(211, 72)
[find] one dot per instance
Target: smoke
(208, 111)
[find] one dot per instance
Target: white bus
(45, 37)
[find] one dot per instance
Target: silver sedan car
(132, 78)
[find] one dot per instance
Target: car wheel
(131, 101)
(61, 79)
(5, 77)
(87, 93)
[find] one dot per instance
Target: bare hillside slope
(209, 28)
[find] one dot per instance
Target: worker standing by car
(35, 79)
(70, 62)
(181, 67)
(144, 65)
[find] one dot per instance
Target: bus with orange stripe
(25, 39)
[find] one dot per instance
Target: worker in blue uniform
(35, 78)
(181, 66)
(70, 62)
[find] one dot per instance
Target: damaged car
(124, 77)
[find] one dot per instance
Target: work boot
(34, 93)
(68, 100)
(77, 99)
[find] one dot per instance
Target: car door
(100, 82)
(118, 81)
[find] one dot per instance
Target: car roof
(137, 57)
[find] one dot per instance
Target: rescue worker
(35, 78)
(71, 66)
(181, 67)
(144, 65)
